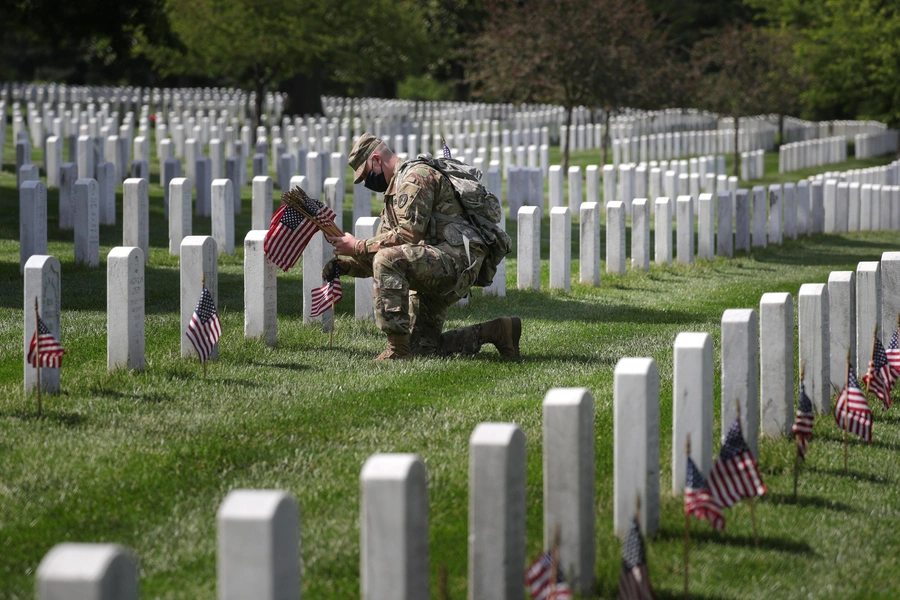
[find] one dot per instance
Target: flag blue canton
(734, 443)
(633, 550)
(695, 479)
(205, 308)
(805, 402)
(290, 218)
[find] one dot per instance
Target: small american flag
(323, 298)
(537, 578)
(445, 148)
(851, 411)
(699, 501)
(634, 578)
(734, 474)
(290, 232)
(49, 353)
(879, 378)
(893, 354)
(803, 426)
(204, 329)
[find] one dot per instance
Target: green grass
(144, 459)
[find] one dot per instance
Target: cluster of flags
(884, 369)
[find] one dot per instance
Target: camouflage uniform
(419, 263)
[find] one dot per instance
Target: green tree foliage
(850, 50)
(601, 53)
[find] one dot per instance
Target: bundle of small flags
(538, 576)
(634, 577)
(204, 329)
(699, 501)
(45, 349)
(293, 226)
(803, 426)
(734, 475)
(851, 411)
(880, 377)
(445, 148)
(329, 294)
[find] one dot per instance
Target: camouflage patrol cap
(360, 153)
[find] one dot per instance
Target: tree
(733, 68)
(604, 53)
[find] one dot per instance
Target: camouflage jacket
(414, 203)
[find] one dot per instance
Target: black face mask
(376, 183)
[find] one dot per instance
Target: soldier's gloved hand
(334, 268)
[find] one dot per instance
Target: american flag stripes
(634, 578)
(325, 297)
(879, 378)
(699, 501)
(734, 474)
(893, 353)
(204, 329)
(537, 578)
(290, 232)
(49, 350)
(803, 426)
(851, 411)
(445, 148)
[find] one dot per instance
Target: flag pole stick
(687, 529)
(737, 406)
(872, 361)
(845, 412)
(797, 443)
(442, 582)
(554, 562)
(37, 352)
(202, 285)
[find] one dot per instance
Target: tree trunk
(737, 151)
(606, 117)
(781, 129)
(567, 140)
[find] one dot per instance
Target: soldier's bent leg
(427, 315)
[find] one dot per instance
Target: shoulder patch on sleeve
(402, 200)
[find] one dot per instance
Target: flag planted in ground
(538, 576)
(699, 500)
(851, 411)
(879, 378)
(45, 348)
(634, 577)
(893, 354)
(323, 298)
(734, 475)
(803, 425)
(204, 329)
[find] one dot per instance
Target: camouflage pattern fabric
(419, 264)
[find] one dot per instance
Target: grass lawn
(144, 459)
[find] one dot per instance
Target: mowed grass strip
(144, 459)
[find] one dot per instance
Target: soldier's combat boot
(504, 333)
(397, 348)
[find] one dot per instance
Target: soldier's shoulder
(422, 172)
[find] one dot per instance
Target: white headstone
(635, 444)
(560, 248)
(125, 308)
(815, 349)
(528, 252)
(615, 237)
(136, 215)
(663, 232)
(556, 187)
(496, 511)
(589, 244)
(313, 263)
(724, 236)
(223, 215)
(32, 221)
(68, 174)
(87, 222)
(842, 323)
(87, 572)
(760, 208)
(394, 528)
(569, 481)
(366, 227)
(42, 281)
(868, 310)
(775, 214)
(640, 234)
(106, 184)
(692, 405)
(180, 213)
(199, 266)
(685, 230)
(260, 290)
(890, 294)
(258, 546)
(740, 373)
(706, 232)
(776, 361)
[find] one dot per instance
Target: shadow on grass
(663, 594)
(854, 440)
(869, 477)
(50, 415)
(806, 501)
(811, 256)
(744, 541)
(282, 365)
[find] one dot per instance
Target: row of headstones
(258, 531)
(258, 551)
(798, 130)
(812, 153)
(525, 187)
(882, 175)
(681, 144)
(723, 225)
(876, 144)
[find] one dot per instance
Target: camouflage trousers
(413, 287)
